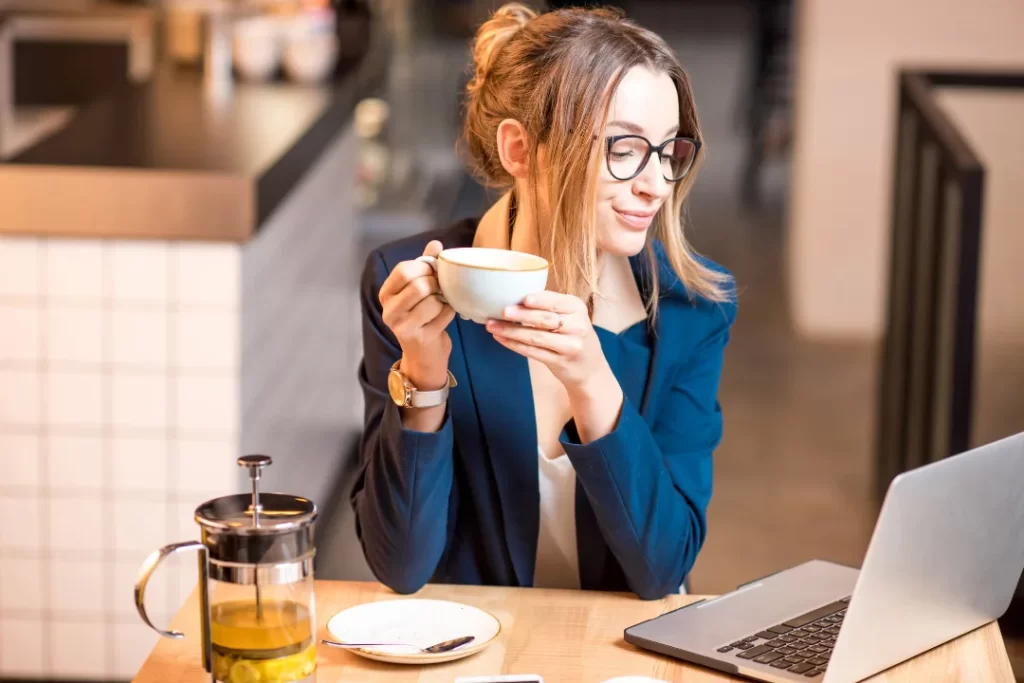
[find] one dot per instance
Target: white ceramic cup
(480, 283)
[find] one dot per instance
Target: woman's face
(645, 103)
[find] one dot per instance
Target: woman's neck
(530, 235)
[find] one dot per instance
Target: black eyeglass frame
(651, 149)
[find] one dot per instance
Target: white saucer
(418, 622)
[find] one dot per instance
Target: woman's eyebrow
(628, 125)
(633, 128)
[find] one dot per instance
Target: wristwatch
(405, 395)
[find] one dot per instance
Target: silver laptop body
(945, 558)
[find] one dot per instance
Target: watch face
(396, 387)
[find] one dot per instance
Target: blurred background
(189, 189)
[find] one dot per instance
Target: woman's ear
(513, 148)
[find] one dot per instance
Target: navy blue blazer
(462, 505)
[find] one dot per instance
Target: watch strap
(418, 398)
(427, 399)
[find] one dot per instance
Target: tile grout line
(107, 511)
(171, 435)
(44, 457)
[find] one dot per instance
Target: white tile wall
(140, 465)
(193, 455)
(20, 458)
(22, 651)
(74, 271)
(75, 335)
(139, 272)
(133, 641)
(74, 398)
(77, 586)
(76, 524)
(19, 397)
(182, 523)
(100, 456)
(19, 340)
(25, 535)
(139, 338)
(79, 649)
(207, 403)
(74, 465)
(21, 586)
(19, 267)
(206, 276)
(85, 376)
(207, 340)
(139, 525)
(139, 401)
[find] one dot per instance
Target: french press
(256, 602)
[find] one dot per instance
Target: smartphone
(507, 678)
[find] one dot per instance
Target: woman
(574, 446)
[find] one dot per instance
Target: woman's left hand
(554, 329)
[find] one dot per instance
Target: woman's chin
(624, 243)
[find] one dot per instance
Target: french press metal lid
(247, 539)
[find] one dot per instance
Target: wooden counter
(565, 636)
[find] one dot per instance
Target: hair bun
(493, 35)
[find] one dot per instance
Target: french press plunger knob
(255, 465)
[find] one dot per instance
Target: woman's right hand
(417, 316)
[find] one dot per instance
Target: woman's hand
(555, 329)
(418, 318)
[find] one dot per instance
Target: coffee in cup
(479, 283)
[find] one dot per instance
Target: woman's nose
(651, 181)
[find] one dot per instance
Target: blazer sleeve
(649, 487)
(403, 484)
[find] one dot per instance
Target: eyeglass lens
(628, 154)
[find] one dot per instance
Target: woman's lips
(637, 220)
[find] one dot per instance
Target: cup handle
(432, 261)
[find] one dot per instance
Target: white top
(557, 559)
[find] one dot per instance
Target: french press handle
(150, 565)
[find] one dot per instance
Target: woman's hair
(556, 73)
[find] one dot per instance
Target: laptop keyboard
(801, 645)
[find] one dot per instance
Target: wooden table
(565, 636)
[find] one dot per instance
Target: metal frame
(927, 372)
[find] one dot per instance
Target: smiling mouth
(635, 219)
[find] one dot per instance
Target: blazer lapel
(499, 381)
(590, 545)
(663, 333)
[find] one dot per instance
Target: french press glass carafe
(256, 599)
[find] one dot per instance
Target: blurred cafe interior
(189, 190)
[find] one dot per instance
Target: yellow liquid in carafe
(274, 645)
(281, 623)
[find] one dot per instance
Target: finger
(414, 292)
(404, 273)
(554, 301)
(433, 248)
(424, 312)
(538, 354)
(534, 317)
(562, 344)
(441, 322)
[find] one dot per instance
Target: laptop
(945, 557)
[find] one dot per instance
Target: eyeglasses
(627, 156)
